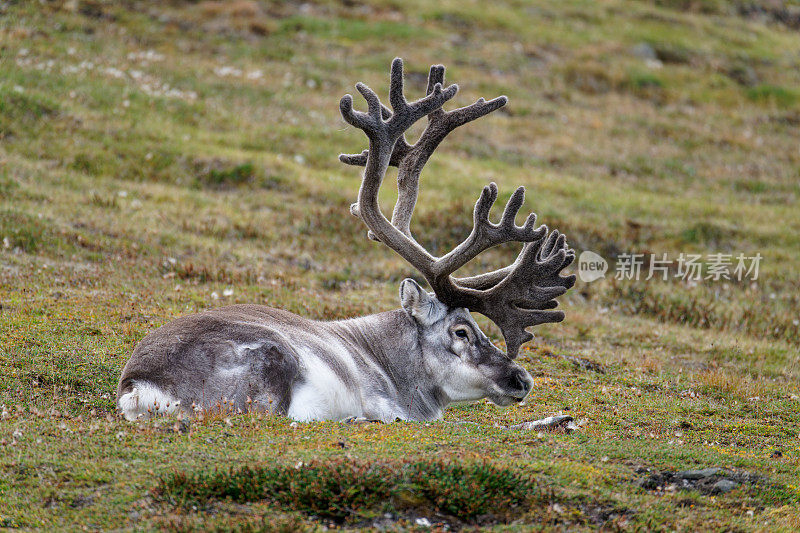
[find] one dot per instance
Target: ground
(157, 159)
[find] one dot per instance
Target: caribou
(407, 364)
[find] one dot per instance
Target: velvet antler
(410, 160)
(515, 297)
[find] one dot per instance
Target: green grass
(153, 156)
(772, 94)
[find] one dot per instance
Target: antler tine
(485, 234)
(401, 148)
(532, 251)
(406, 114)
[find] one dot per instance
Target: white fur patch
(146, 400)
(460, 381)
(322, 395)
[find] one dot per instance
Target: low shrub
(470, 490)
(341, 490)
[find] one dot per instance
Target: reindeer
(407, 364)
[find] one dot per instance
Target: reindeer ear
(421, 306)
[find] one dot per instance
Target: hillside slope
(157, 159)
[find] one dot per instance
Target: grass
(776, 95)
(158, 160)
(341, 490)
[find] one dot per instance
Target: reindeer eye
(461, 332)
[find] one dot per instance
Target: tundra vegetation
(158, 159)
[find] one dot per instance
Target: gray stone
(723, 485)
(644, 50)
(698, 474)
(743, 74)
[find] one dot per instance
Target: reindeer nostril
(519, 382)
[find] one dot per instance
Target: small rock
(723, 486)
(698, 474)
(424, 522)
(81, 501)
(653, 63)
(743, 74)
(646, 483)
(644, 51)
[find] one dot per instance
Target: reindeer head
(515, 297)
(457, 355)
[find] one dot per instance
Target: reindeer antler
(409, 159)
(515, 297)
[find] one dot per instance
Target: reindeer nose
(521, 382)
